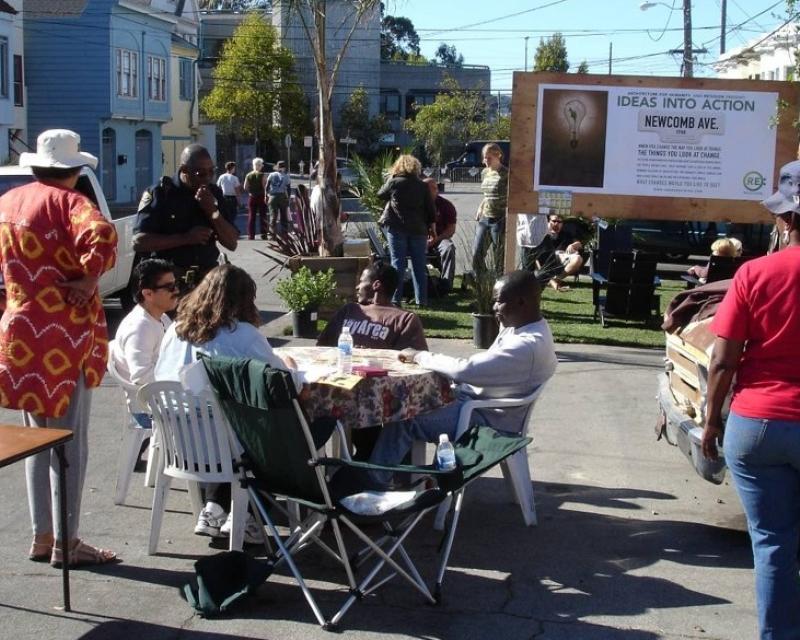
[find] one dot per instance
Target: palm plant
(302, 239)
(370, 176)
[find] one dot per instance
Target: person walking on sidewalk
(278, 185)
(256, 204)
(53, 337)
(231, 190)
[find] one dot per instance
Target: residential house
(183, 129)
(102, 68)
(765, 57)
(13, 119)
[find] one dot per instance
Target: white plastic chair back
(131, 390)
(192, 446)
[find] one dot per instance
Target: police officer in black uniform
(180, 220)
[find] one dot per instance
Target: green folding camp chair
(281, 461)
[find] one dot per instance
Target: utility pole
(724, 8)
(526, 52)
(688, 65)
(610, 51)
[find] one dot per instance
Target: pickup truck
(682, 396)
(115, 282)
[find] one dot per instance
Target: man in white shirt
(521, 359)
(231, 190)
(138, 339)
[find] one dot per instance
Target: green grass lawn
(569, 314)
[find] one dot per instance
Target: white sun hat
(58, 149)
(787, 197)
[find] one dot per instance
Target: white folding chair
(134, 436)
(194, 449)
(516, 470)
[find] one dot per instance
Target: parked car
(344, 169)
(676, 240)
(116, 281)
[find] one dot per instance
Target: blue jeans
(764, 459)
(402, 246)
(396, 438)
(489, 232)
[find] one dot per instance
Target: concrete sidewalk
(630, 543)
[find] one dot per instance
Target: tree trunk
(327, 146)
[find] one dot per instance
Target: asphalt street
(630, 543)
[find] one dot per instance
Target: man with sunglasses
(568, 251)
(138, 338)
(180, 219)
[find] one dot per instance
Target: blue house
(101, 68)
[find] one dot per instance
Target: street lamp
(687, 32)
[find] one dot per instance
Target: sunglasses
(202, 173)
(169, 286)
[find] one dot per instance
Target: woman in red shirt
(758, 340)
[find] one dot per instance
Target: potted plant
(484, 323)
(304, 292)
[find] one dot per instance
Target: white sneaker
(211, 519)
(253, 533)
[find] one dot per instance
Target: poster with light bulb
(652, 141)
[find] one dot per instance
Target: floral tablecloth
(406, 391)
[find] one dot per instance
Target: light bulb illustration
(574, 112)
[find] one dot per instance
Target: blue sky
(488, 32)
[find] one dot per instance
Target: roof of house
(48, 8)
(7, 8)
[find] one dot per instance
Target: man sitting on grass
(521, 359)
(374, 323)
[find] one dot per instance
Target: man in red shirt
(53, 336)
(442, 242)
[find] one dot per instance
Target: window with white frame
(156, 78)
(127, 65)
(4, 67)
(186, 70)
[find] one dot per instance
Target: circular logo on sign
(753, 181)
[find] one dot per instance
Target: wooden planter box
(347, 272)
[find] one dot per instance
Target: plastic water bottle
(345, 351)
(445, 454)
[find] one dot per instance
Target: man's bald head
(197, 167)
(520, 294)
(191, 154)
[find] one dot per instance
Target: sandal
(41, 547)
(82, 555)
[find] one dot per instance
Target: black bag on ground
(223, 579)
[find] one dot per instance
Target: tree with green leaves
(583, 67)
(399, 39)
(254, 81)
(313, 18)
(455, 116)
(502, 129)
(449, 55)
(356, 122)
(551, 54)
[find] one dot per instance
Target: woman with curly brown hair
(218, 318)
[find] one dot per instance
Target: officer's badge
(147, 198)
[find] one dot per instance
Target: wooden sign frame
(523, 198)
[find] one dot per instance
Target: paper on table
(341, 380)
